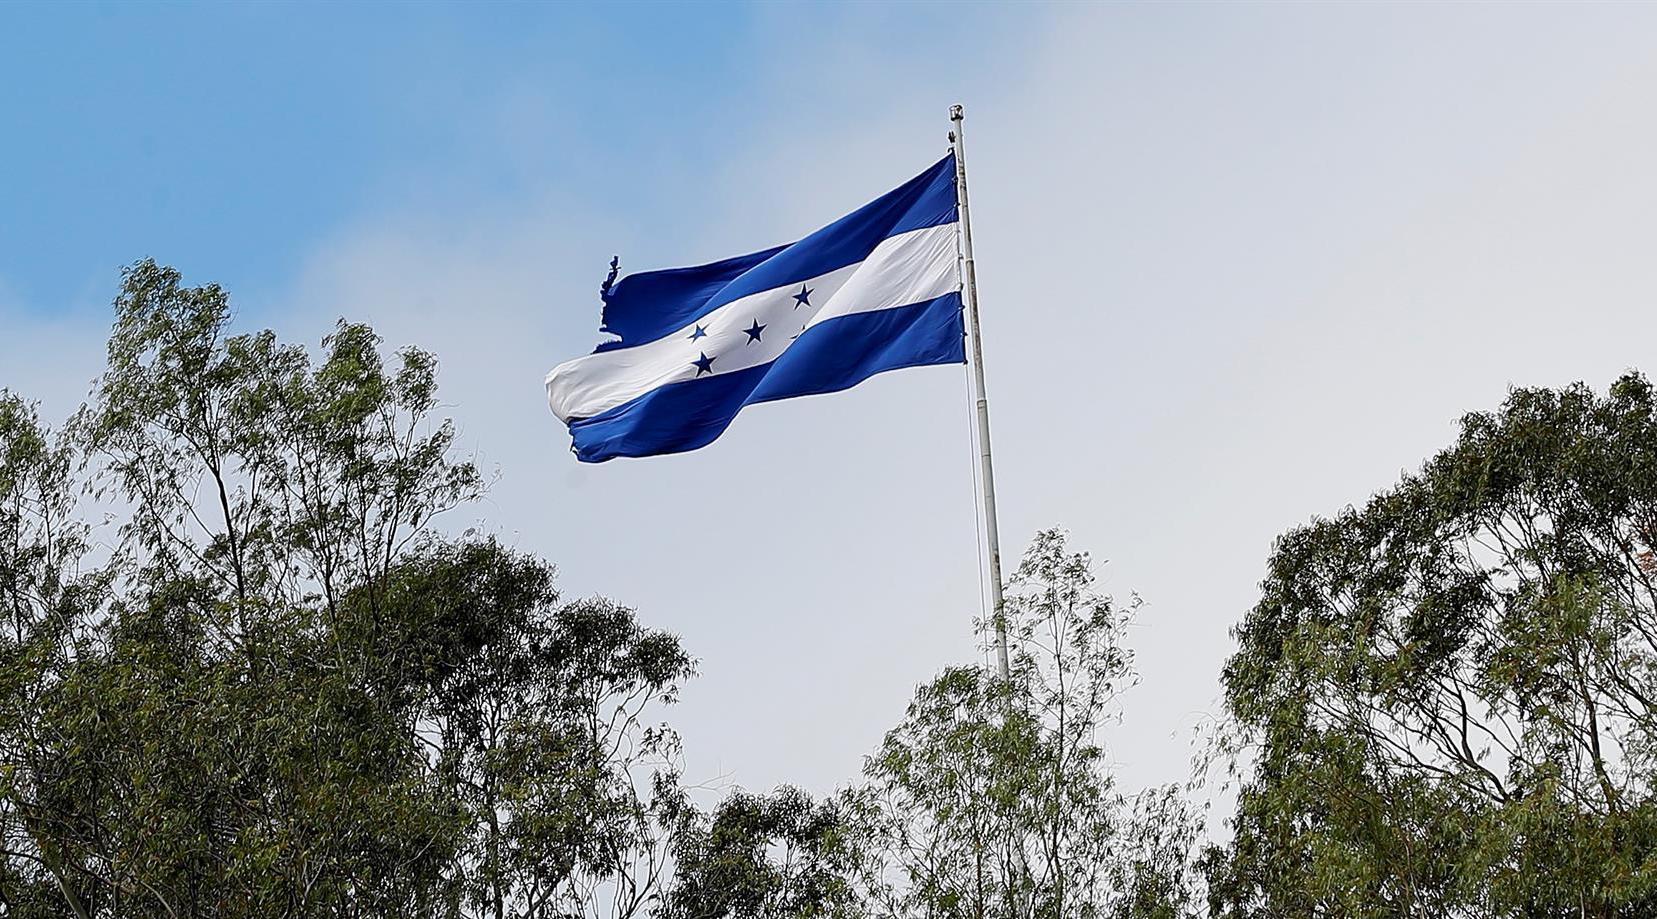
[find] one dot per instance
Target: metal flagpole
(969, 297)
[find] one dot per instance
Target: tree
(775, 856)
(1447, 695)
(532, 713)
(282, 691)
(994, 799)
(276, 686)
(48, 599)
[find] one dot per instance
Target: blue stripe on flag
(646, 306)
(834, 355)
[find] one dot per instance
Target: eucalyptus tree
(49, 596)
(1446, 695)
(277, 688)
(274, 686)
(780, 855)
(275, 482)
(533, 711)
(995, 798)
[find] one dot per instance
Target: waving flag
(874, 291)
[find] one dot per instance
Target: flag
(874, 291)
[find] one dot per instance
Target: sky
(1241, 265)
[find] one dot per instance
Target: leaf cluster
(1447, 694)
(279, 689)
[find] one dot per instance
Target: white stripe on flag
(905, 269)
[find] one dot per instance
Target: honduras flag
(876, 290)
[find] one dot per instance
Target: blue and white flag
(874, 291)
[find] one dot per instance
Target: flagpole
(969, 298)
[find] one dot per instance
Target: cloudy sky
(1240, 264)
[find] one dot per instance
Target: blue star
(803, 298)
(699, 333)
(704, 364)
(753, 331)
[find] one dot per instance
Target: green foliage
(994, 798)
(776, 856)
(274, 688)
(280, 691)
(273, 479)
(46, 598)
(1446, 696)
(532, 714)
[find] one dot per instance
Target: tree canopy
(245, 672)
(995, 798)
(1446, 696)
(280, 690)
(249, 668)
